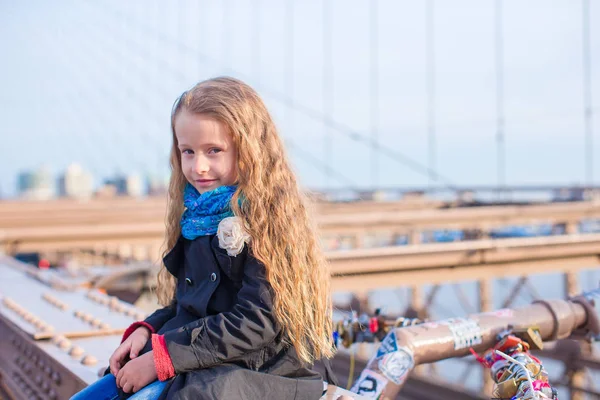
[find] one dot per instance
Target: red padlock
(374, 325)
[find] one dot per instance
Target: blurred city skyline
(78, 183)
(93, 83)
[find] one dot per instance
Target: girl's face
(208, 154)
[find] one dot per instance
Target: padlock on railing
(367, 329)
(517, 374)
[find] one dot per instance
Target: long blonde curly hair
(274, 210)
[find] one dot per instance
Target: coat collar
(221, 255)
(174, 258)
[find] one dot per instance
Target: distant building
(106, 190)
(36, 185)
(25, 182)
(366, 195)
(157, 186)
(131, 185)
(569, 194)
(134, 186)
(385, 195)
(76, 183)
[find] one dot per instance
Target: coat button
(188, 281)
(213, 277)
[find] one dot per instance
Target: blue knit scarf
(205, 211)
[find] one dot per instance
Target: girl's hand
(130, 347)
(137, 373)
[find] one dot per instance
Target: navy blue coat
(221, 332)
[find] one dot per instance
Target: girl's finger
(120, 378)
(119, 354)
(128, 387)
(112, 363)
(135, 349)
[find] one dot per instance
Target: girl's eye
(187, 151)
(214, 150)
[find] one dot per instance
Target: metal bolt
(89, 360)
(64, 344)
(76, 351)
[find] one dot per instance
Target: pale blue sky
(94, 81)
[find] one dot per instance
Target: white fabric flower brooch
(232, 235)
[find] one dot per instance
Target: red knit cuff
(162, 359)
(134, 326)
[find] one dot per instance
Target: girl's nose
(201, 165)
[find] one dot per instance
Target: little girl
(245, 284)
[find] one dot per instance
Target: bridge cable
(500, 118)
(431, 93)
(587, 94)
(327, 83)
(374, 83)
